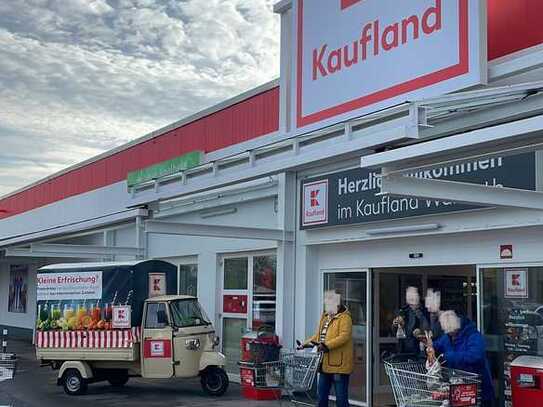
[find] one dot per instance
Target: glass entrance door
(235, 308)
(512, 319)
(248, 301)
(458, 288)
(352, 286)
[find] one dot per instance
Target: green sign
(164, 168)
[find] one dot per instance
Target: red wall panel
(248, 119)
(512, 26)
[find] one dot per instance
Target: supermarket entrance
(458, 287)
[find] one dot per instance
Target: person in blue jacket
(463, 348)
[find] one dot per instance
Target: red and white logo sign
(315, 203)
(358, 56)
(157, 284)
(121, 316)
(506, 251)
(464, 395)
(516, 283)
(157, 348)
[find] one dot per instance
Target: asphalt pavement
(35, 386)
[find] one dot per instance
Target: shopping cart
(8, 366)
(294, 373)
(414, 387)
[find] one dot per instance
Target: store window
(188, 279)
(512, 320)
(264, 292)
(352, 288)
(235, 273)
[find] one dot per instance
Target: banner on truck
(69, 286)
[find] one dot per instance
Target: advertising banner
(69, 286)
(353, 196)
(18, 289)
(355, 57)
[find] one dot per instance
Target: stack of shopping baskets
(413, 386)
(8, 366)
(292, 376)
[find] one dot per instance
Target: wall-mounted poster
(516, 283)
(18, 289)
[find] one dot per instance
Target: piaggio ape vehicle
(112, 321)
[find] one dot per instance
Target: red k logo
(515, 280)
(314, 195)
(348, 3)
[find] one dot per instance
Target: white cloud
(78, 77)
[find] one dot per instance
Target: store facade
(261, 225)
(371, 254)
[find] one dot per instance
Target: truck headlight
(192, 344)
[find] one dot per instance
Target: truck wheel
(215, 381)
(118, 380)
(73, 383)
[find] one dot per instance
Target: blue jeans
(341, 386)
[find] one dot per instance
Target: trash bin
(257, 348)
(527, 381)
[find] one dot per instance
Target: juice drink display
(56, 314)
(69, 312)
(44, 313)
(96, 313)
(81, 312)
(108, 312)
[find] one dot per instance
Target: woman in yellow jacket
(334, 338)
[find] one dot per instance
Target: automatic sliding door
(353, 289)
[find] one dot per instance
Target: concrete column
(208, 288)
(286, 260)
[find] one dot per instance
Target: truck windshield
(186, 313)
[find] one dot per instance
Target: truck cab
(178, 340)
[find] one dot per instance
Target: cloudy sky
(78, 77)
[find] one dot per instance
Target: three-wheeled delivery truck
(112, 321)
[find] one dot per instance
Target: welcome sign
(353, 196)
(358, 56)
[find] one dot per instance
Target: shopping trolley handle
(302, 346)
(401, 357)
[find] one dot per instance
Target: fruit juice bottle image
(81, 312)
(96, 313)
(69, 311)
(44, 313)
(56, 314)
(108, 312)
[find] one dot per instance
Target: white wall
(94, 204)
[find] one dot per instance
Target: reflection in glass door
(353, 289)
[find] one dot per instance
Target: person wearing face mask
(412, 318)
(463, 347)
(334, 337)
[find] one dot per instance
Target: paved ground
(35, 386)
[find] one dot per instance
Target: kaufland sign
(357, 56)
